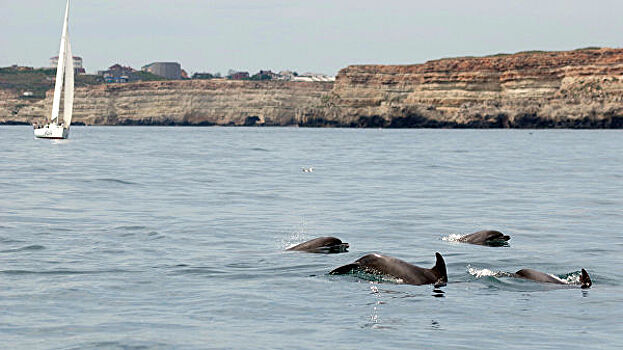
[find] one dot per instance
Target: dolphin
(324, 245)
(487, 237)
(539, 276)
(389, 266)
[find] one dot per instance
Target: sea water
(174, 238)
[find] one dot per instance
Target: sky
(305, 36)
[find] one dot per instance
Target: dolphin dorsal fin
(440, 271)
(585, 279)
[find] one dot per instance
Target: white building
(77, 62)
(313, 77)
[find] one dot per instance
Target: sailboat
(56, 128)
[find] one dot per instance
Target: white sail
(60, 68)
(69, 86)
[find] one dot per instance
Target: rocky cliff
(196, 102)
(581, 88)
(577, 89)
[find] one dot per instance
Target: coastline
(579, 89)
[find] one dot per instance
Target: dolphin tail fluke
(440, 271)
(343, 270)
(585, 279)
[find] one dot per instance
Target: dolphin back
(324, 245)
(538, 276)
(386, 265)
(486, 237)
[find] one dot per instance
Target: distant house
(118, 74)
(21, 68)
(77, 63)
(168, 70)
(286, 75)
(265, 75)
(238, 76)
(118, 67)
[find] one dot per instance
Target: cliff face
(197, 102)
(582, 88)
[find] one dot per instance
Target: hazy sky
(312, 35)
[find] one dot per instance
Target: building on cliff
(168, 70)
(238, 75)
(78, 64)
(265, 75)
(118, 74)
(21, 68)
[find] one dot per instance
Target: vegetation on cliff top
(35, 82)
(146, 76)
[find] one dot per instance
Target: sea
(175, 238)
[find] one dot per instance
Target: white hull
(52, 131)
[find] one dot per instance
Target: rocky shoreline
(570, 89)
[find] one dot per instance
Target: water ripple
(147, 247)
(117, 181)
(33, 247)
(64, 272)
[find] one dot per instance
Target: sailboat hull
(52, 131)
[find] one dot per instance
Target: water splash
(480, 273)
(571, 278)
(454, 237)
(376, 278)
(297, 236)
(373, 321)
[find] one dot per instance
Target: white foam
(292, 241)
(455, 237)
(296, 237)
(482, 272)
(573, 278)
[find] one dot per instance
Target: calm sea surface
(173, 238)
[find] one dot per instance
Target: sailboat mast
(69, 86)
(60, 67)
